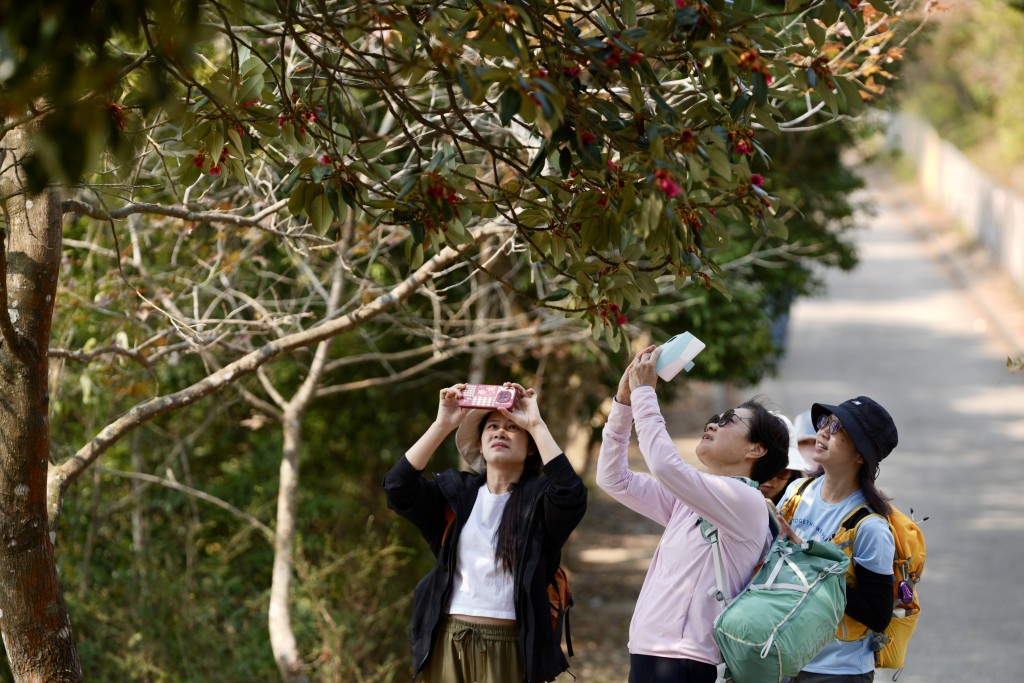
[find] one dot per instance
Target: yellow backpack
(907, 565)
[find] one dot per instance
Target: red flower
(621, 320)
(215, 170)
(744, 147)
(636, 57)
(680, 3)
(572, 72)
(614, 55)
(666, 184)
(588, 138)
(325, 159)
(117, 112)
(757, 179)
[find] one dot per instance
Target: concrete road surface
(928, 336)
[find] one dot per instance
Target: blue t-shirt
(873, 549)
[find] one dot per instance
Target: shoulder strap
(449, 521)
(852, 520)
(789, 507)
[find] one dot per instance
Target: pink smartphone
(489, 396)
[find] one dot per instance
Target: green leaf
(829, 97)
(760, 88)
(882, 6)
(565, 161)
(372, 149)
(538, 162)
(720, 162)
(557, 295)
(628, 11)
(508, 105)
(251, 88)
(815, 31)
(236, 142)
(320, 213)
(851, 95)
(297, 201)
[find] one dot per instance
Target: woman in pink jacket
(670, 636)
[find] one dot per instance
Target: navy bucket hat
(869, 425)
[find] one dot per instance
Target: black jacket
(555, 503)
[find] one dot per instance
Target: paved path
(927, 335)
(925, 328)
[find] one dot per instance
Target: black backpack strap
(856, 517)
(568, 632)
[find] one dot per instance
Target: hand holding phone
(488, 396)
(678, 354)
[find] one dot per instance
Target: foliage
(966, 78)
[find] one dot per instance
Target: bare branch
(67, 472)
(88, 357)
(195, 493)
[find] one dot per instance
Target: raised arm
(449, 416)
(526, 414)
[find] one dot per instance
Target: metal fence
(987, 212)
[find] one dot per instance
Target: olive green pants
(474, 653)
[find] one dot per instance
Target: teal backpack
(785, 615)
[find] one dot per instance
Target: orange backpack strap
(449, 520)
(789, 507)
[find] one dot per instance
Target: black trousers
(651, 669)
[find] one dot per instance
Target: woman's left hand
(525, 412)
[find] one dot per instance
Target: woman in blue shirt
(853, 437)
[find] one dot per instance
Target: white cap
(796, 460)
(804, 426)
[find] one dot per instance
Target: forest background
(170, 550)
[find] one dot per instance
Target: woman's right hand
(449, 413)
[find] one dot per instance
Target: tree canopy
(296, 201)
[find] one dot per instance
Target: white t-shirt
(482, 587)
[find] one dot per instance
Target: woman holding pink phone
(482, 614)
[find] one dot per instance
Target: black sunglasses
(834, 425)
(725, 418)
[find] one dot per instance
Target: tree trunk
(33, 617)
(282, 637)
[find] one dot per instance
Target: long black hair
(507, 547)
(876, 499)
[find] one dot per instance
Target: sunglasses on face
(834, 425)
(725, 418)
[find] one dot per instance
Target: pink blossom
(757, 179)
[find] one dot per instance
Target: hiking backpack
(559, 594)
(908, 565)
(785, 615)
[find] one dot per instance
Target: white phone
(678, 354)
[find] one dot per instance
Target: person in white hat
(482, 613)
(796, 466)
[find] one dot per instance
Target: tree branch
(255, 221)
(63, 475)
(202, 495)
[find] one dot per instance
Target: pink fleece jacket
(675, 612)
